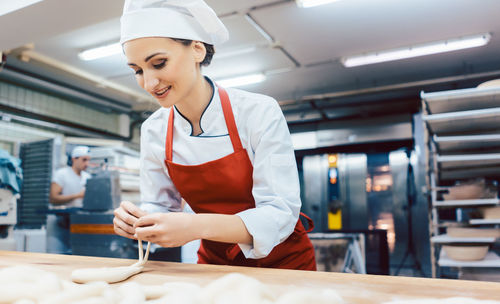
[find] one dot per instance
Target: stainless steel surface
(468, 160)
(446, 239)
(347, 133)
(467, 173)
(466, 203)
(352, 188)
(101, 102)
(48, 125)
(353, 173)
(377, 209)
(398, 162)
(370, 131)
(462, 100)
(464, 121)
(420, 211)
(467, 142)
(315, 176)
(464, 127)
(355, 253)
(407, 85)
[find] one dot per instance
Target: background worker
(66, 191)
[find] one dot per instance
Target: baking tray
(462, 100)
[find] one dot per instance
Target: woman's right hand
(125, 217)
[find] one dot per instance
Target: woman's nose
(150, 82)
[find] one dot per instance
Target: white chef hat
(182, 19)
(79, 151)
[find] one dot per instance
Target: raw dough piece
(154, 292)
(178, 293)
(106, 274)
(455, 300)
(131, 293)
(26, 283)
(93, 300)
(236, 288)
(79, 293)
(111, 274)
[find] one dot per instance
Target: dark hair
(209, 47)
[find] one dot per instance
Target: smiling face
(166, 69)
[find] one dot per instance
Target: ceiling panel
(261, 60)
(356, 26)
(241, 34)
(50, 18)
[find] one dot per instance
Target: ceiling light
(417, 50)
(312, 3)
(7, 6)
(100, 52)
(242, 80)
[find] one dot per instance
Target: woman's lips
(162, 93)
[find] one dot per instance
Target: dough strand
(112, 274)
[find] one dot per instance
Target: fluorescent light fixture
(242, 80)
(101, 52)
(312, 3)
(8, 6)
(417, 50)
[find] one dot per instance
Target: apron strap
(170, 136)
(229, 117)
(310, 222)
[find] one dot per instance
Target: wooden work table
(355, 288)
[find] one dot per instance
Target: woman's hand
(125, 218)
(171, 229)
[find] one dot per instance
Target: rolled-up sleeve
(158, 193)
(276, 187)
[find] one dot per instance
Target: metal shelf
(462, 100)
(446, 239)
(466, 173)
(463, 203)
(465, 130)
(484, 222)
(491, 260)
(467, 142)
(464, 121)
(468, 160)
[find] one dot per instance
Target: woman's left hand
(171, 229)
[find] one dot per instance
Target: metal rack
(126, 162)
(463, 142)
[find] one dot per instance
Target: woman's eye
(138, 72)
(160, 65)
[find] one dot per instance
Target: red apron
(224, 186)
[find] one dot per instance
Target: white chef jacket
(71, 183)
(265, 136)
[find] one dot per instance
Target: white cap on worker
(80, 151)
(182, 19)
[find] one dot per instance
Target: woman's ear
(199, 51)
